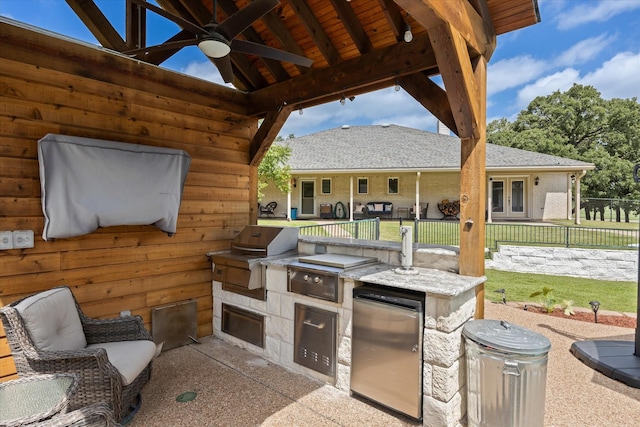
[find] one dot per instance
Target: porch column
(489, 193)
(351, 198)
(569, 197)
(577, 189)
(289, 204)
(417, 210)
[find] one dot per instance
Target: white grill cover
(90, 183)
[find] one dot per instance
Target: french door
(508, 198)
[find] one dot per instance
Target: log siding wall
(50, 85)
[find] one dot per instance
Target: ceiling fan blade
(196, 29)
(224, 66)
(242, 19)
(177, 44)
(243, 46)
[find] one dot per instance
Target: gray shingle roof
(395, 147)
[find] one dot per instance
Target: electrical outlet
(23, 239)
(6, 240)
(125, 313)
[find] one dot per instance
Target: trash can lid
(507, 337)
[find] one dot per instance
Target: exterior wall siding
(55, 86)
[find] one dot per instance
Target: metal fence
(368, 229)
(448, 233)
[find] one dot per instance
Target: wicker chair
(49, 334)
(41, 400)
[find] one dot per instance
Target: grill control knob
(306, 278)
(316, 279)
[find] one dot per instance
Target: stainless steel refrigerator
(386, 347)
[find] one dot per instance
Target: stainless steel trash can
(506, 374)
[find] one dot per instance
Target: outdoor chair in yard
(49, 334)
(42, 400)
(268, 209)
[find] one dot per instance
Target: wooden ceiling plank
(460, 15)
(431, 96)
(268, 132)
(315, 31)
(251, 74)
(353, 26)
(98, 24)
(274, 67)
(451, 53)
(368, 69)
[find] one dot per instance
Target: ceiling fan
(217, 40)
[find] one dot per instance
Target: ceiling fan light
(214, 46)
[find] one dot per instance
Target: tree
(580, 125)
(274, 168)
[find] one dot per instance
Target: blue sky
(591, 42)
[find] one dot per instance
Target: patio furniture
(380, 209)
(42, 400)
(423, 211)
(359, 211)
(268, 209)
(48, 334)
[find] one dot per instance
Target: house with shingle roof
(368, 166)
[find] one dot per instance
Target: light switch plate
(6, 240)
(23, 239)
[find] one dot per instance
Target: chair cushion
(128, 357)
(52, 320)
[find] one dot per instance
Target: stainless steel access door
(386, 358)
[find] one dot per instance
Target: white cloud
(204, 70)
(509, 73)
(617, 77)
(586, 12)
(583, 51)
(561, 81)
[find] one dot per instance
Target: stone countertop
(428, 280)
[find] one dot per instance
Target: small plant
(567, 305)
(546, 298)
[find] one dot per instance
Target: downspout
(577, 189)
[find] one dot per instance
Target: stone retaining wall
(591, 263)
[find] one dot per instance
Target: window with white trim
(363, 185)
(393, 185)
(325, 185)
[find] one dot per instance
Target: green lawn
(612, 295)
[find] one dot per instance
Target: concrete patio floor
(237, 388)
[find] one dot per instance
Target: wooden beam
(352, 25)
(473, 155)
(455, 67)
(283, 35)
(430, 96)
(394, 17)
(318, 34)
(366, 70)
(267, 133)
(98, 24)
(460, 14)
(136, 26)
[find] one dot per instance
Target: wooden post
(473, 155)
